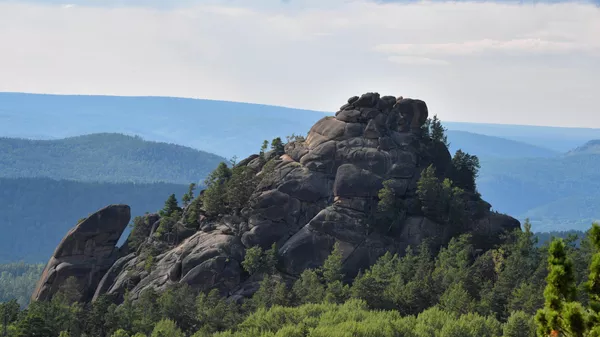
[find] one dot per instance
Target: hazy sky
(497, 62)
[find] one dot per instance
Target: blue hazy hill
(525, 169)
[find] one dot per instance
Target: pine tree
(263, 148)
(464, 171)
(438, 131)
(308, 288)
(332, 267)
(171, 205)
(561, 314)
(253, 260)
(167, 328)
(429, 191)
(214, 199)
(270, 259)
(240, 187)
(277, 146)
(335, 290)
(189, 196)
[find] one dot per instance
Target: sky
(511, 62)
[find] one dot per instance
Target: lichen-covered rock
(86, 253)
(321, 190)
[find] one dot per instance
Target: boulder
(320, 191)
(86, 253)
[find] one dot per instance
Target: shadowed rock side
(86, 253)
(319, 191)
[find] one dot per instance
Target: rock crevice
(321, 190)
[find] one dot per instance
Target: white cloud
(470, 48)
(416, 60)
(492, 62)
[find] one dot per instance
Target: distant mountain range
(545, 173)
(495, 147)
(224, 128)
(591, 147)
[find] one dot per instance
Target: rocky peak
(314, 192)
(86, 253)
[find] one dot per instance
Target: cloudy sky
(498, 62)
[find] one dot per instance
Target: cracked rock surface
(321, 190)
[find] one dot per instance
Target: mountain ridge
(191, 122)
(109, 157)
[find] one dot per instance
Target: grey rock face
(86, 253)
(322, 190)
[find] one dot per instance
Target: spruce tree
(464, 170)
(171, 206)
(277, 146)
(561, 314)
(438, 131)
(189, 196)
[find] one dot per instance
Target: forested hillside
(558, 193)
(495, 147)
(37, 212)
(105, 158)
(457, 292)
(17, 281)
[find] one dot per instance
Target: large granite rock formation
(85, 253)
(320, 190)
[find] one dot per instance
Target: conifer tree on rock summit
(312, 193)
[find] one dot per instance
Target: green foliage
(519, 324)
(277, 146)
(214, 313)
(120, 333)
(141, 228)
(429, 191)
(561, 312)
(272, 291)
(335, 290)
(17, 281)
(240, 187)
(215, 196)
(294, 138)
(193, 212)
(308, 288)
(257, 260)
(167, 227)
(441, 201)
(189, 195)
(457, 299)
(390, 209)
(354, 319)
(438, 131)
(253, 259)
(460, 291)
(263, 148)
(171, 206)
(166, 328)
(465, 168)
(177, 303)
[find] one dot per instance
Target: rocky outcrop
(321, 190)
(85, 253)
